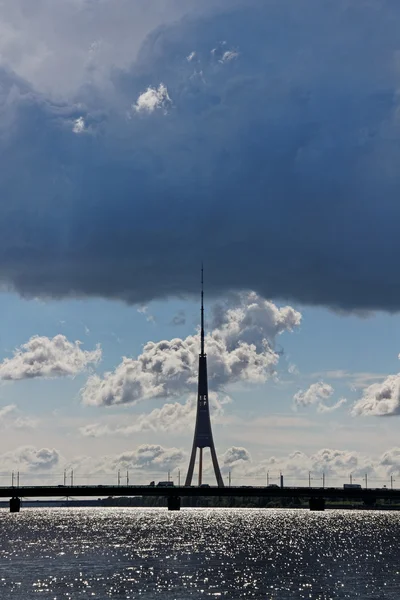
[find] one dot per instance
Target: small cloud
(222, 55)
(228, 56)
(191, 56)
(153, 99)
(79, 126)
(317, 392)
(235, 456)
(143, 310)
(293, 370)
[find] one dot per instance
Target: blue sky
(259, 137)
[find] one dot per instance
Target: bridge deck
(239, 492)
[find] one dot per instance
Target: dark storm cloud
(262, 140)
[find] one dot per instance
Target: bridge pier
(317, 503)
(174, 503)
(15, 505)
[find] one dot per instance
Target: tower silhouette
(203, 437)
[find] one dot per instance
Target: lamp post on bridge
(391, 482)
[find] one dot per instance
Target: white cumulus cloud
(48, 357)
(240, 347)
(153, 99)
(79, 125)
(317, 392)
(235, 457)
(380, 399)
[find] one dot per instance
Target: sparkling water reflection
(194, 553)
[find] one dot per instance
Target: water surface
(199, 553)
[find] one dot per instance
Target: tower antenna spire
(202, 310)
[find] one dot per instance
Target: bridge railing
(71, 477)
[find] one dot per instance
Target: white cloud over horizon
(148, 461)
(149, 458)
(335, 465)
(48, 357)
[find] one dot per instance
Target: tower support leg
(218, 476)
(15, 505)
(174, 503)
(192, 462)
(317, 504)
(200, 466)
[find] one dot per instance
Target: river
(199, 553)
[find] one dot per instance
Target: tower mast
(202, 312)
(203, 437)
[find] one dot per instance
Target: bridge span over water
(173, 494)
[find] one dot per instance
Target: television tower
(203, 437)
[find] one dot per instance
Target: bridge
(173, 494)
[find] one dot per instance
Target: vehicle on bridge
(165, 484)
(352, 486)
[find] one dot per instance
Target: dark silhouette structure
(203, 437)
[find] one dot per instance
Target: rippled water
(195, 553)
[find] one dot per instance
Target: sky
(139, 140)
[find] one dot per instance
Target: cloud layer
(12, 418)
(335, 465)
(149, 458)
(48, 357)
(174, 417)
(268, 129)
(239, 348)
